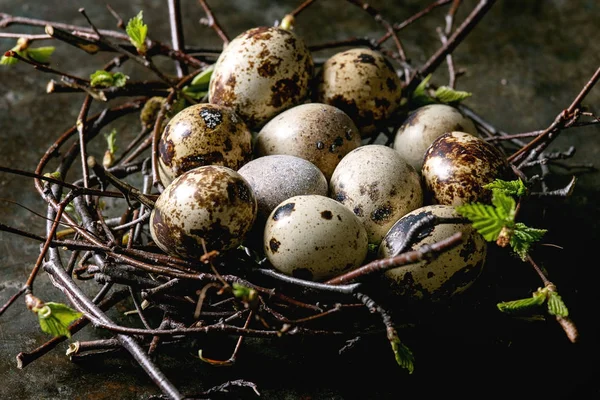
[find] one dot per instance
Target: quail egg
(260, 73)
(424, 125)
(378, 186)
(211, 203)
(278, 177)
(314, 237)
(320, 133)
(203, 134)
(450, 273)
(362, 83)
(456, 167)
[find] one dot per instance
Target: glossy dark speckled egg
(211, 203)
(456, 167)
(451, 273)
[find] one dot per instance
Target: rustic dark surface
(525, 62)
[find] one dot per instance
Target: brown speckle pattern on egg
(456, 167)
(314, 237)
(362, 83)
(213, 203)
(379, 187)
(424, 125)
(319, 133)
(203, 134)
(450, 273)
(260, 73)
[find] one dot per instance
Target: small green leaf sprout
(102, 78)
(54, 318)
(137, 31)
(37, 54)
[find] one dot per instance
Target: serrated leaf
(511, 188)
(505, 206)
(40, 54)
(137, 31)
(556, 306)
(404, 357)
(523, 237)
(446, 94)
(55, 318)
(485, 219)
(516, 306)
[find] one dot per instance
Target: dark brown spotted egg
(452, 272)
(214, 204)
(456, 167)
(314, 237)
(424, 125)
(260, 73)
(320, 133)
(362, 83)
(203, 134)
(378, 186)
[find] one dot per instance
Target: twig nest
(214, 204)
(320, 133)
(362, 83)
(425, 124)
(314, 237)
(378, 186)
(450, 273)
(278, 177)
(203, 134)
(260, 73)
(456, 167)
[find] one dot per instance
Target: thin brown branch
(212, 22)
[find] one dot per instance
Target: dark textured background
(525, 62)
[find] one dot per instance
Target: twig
(212, 22)
(177, 34)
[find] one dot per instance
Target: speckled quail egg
(320, 133)
(260, 73)
(203, 134)
(314, 237)
(278, 177)
(456, 167)
(361, 82)
(211, 203)
(424, 125)
(378, 186)
(452, 272)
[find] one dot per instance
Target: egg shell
(451, 273)
(361, 82)
(456, 167)
(314, 237)
(211, 203)
(260, 73)
(203, 134)
(278, 177)
(320, 133)
(378, 186)
(425, 124)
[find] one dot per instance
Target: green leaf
(111, 140)
(556, 306)
(203, 78)
(137, 31)
(404, 357)
(485, 218)
(196, 95)
(511, 188)
(420, 97)
(102, 78)
(446, 94)
(11, 60)
(55, 318)
(523, 237)
(40, 54)
(516, 306)
(506, 207)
